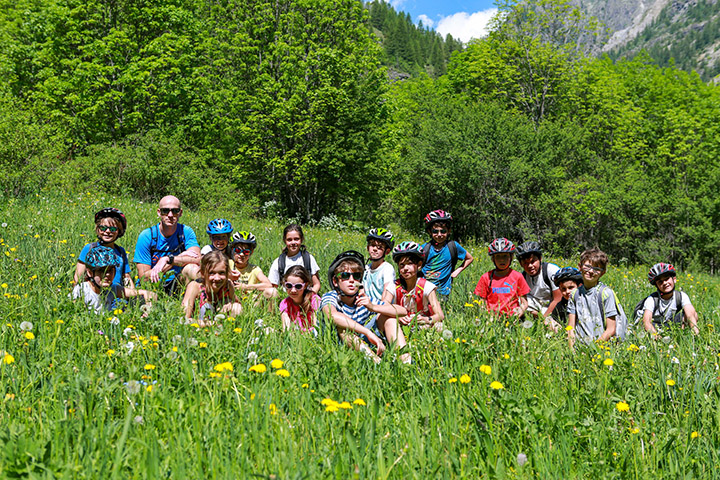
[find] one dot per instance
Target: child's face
(348, 281)
(377, 249)
(531, 264)
(293, 240)
(591, 273)
(220, 240)
(216, 277)
(665, 283)
(407, 268)
(241, 254)
(103, 276)
(439, 232)
(567, 288)
(107, 231)
(502, 261)
(295, 288)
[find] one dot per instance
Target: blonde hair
(211, 259)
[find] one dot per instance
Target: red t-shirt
(505, 291)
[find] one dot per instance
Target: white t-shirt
(666, 308)
(540, 294)
(274, 275)
(376, 281)
(409, 302)
(95, 301)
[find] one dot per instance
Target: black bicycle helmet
(350, 255)
(383, 235)
(113, 213)
(501, 245)
(660, 269)
(567, 273)
(528, 248)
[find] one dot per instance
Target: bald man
(168, 250)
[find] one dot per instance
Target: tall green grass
(75, 401)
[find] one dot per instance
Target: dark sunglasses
(243, 251)
(294, 286)
(175, 211)
(346, 275)
(439, 230)
(106, 228)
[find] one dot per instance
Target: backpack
(419, 290)
(545, 276)
(155, 232)
(283, 257)
(640, 309)
(452, 246)
(621, 320)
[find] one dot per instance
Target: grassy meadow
(117, 396)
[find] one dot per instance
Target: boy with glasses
(593, 312)
(168, 250)
(440, 255)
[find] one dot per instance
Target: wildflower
(220, 317)
(496, 385)
(527, 324)
(149, 388)
(282, 373)
(622, 407)
(277, 363)
(694, 435)
(130, 347)
(252, 356)
(635, 430)
(469, 304)
(521, 459)
(259, 323)
(237, 330)
(345, 405)
(452, 380)
(576, 370)
(608, 362)
(569, 328)
(29, 335)
(486, 369)
(111, 375)
(273, 409)
(127, 331)
(114, 321)
(675, 360)
(259, 368)
(215, 375)
(110, 352)
(224, 367)
(633, 348)
(192, 342)
(139, 419)
(4, 285)
(465, 378)
(447, 334)
(195, 325)
(8, 359)
(327, 401)
(26, 326)
(305, 385)
(360, 401)
(670, 382)
(149, 366)
(331, 408)
(59, 322)
(506, 356)
(171, 355)
(132, 387)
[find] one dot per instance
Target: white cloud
(464, 26)
(396, 4)
(427, 21)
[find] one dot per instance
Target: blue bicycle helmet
(102, 257)
(219, 226)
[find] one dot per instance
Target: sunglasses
(357, 276)
(439, 230)
(242, 251)
(294, 286)
(175, 211)
(106, 228)
(589, 268)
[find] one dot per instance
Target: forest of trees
(286, 108)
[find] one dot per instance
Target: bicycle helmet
(244, 237)
(437, 216)
(567, 273)
(528, 248)
(113, 213)
(660, 269)
(351, 255)
(407, 248)
(101, 257)
(383, 235)
(501, 245)
(219, 226)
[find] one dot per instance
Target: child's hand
(362, 300)
(234, 275)
(375, 340)
(406, 320)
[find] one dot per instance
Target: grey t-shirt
(590, 319)
(666, 308)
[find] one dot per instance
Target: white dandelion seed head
(521, 459)
(527, 324)
(26, 326)
(133, 387)
(139, 419)
(192, 342)
(252, 356)
(259, 323)
(115, 321)
(447, 334)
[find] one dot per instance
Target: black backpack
(546, 277)
(155, 232)
(452, 246)
(640, 309)
(283, 257)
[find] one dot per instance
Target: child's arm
(315, 283)
(438, 316)
(610, 326)
(127, 280)
(344, 322)
(466, 263)
(188, 302)
(388, 309)
(692, 317)
(523, 305)
(79, 276)
(129, 292)
(571, 330)
(263, 283)
(556, 298)
(648, 323)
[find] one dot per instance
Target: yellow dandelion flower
(237, 330)
(622, 407)
(506, 356)
(149, 388)
(277, 363)
(215, 374)
(224, 367)
(273, 409)
(694, 435)
(202, 344)
(30, 335)
(345, 405)
(360, 401)
(486, 369)
(305, 385)
(282, 373)
(608, 362)
(497, 385)
(465, 378)
(635, 430)
(670, 382)
(174, 349)
(110, 352)
(633, 348)
(327, 401)
(8, 359)
(195, 325)
(569, 328)
(331, 408)
(469, 304)
(149, 366)
(259, 368)
(59, 322)
(452, 380)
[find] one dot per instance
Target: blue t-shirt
(361, 315)
(163, 246)
(438, 267)
(119, 272)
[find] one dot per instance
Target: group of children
(366, 304)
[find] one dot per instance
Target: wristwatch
(171, 259)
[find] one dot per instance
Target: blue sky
(463, 19)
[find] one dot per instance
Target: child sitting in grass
(503, 289)
(544, 294)
(567, 280)
(98, 290)
(213, 291)
(415, 294)
(379, 274)
(592, 309)
(110, 225)
(248, 277)
(353, 313)
(219, 231)
(440, 254)
(667, 305)
(298, 309)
